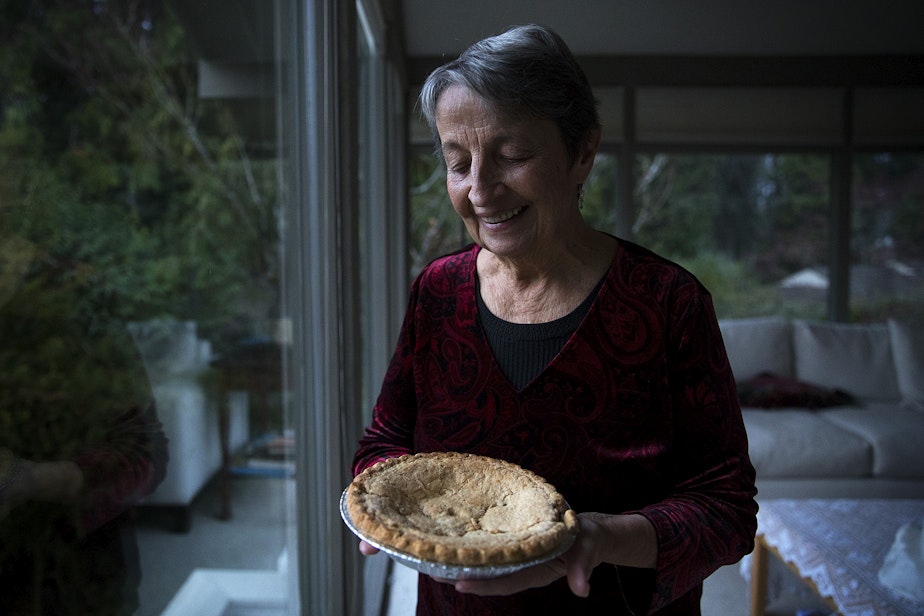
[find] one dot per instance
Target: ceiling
(677, 27)
(241, 30)
(704, 42)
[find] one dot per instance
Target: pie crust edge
(454, 551)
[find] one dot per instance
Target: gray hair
(526, 70)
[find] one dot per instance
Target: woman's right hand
(24, 480)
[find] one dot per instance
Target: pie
(459, 509)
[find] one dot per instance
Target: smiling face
(510, 179)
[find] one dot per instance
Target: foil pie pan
(451, 572)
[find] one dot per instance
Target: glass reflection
(139, 303)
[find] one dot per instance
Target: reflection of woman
(585, 358)
(79, 442)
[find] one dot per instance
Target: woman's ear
(586, 154)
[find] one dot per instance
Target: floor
(254, 539)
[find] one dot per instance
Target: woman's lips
(503, 216)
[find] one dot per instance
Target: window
(753, 227)
(382, 199)
(140, 223)
(747, 187)
(757, 229)
(601, 194)
(887, 236)
(435, 228)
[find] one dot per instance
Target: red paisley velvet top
(637, 413)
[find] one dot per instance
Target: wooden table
(837, 547)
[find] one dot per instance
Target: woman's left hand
(618, 539)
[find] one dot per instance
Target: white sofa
(176, 360)
(870, 446)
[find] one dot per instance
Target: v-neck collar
(531, 330)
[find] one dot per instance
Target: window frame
(338, 353)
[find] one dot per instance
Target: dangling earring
(580, 196)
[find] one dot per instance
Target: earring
(580, 196)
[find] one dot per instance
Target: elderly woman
(582, 357)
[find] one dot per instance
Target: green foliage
(601, 194)
(742, 223)
(109, 158)
(888, 206)
(435, 228)
(676, 204)
(735, 292)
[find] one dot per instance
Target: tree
(109, 157)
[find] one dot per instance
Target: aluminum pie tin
(451, 572)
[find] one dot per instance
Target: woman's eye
(514, 158)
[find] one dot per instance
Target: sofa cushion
(895, 434)
(768, 391)
(758, 345)
(792, 443)
(908, 353)
(856, 358)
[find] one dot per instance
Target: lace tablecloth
(840, 546)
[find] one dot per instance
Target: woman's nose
(485, 182)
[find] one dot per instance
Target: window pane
(752, 227)
(371, 198)
(887, 241)
(139, 303)
(435, 228)
(601, 194)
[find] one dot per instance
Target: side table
(837, 547)
(257, 369)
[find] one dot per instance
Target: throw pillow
(908, 352)
(768, 391)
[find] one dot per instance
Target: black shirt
(523, 350)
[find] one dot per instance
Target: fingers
(579, 580)
(532, 577)
(492, 587)
(366, 549)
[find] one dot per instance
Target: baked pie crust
(459, 509)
